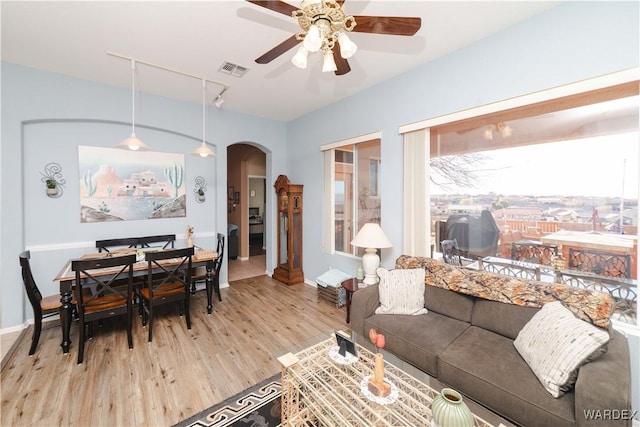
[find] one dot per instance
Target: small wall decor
(52, 177)
(199, 189)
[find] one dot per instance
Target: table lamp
(371, 237)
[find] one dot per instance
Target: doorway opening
(246, 211)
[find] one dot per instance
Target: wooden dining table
(67, 279)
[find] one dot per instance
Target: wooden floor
(177, 375)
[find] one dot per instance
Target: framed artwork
(119, 185)
(230, 193)
(236, 197)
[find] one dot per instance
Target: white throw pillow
(555, 343)
(401, 291)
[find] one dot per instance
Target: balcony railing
(623, 291)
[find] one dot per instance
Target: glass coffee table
(320, 387)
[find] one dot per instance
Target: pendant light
(203, 150)
(133, 143)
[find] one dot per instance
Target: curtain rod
(224, 86)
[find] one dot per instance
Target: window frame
(417, 137)
(329, 212)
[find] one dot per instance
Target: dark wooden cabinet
(289, 214)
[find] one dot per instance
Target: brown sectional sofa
(466, 342)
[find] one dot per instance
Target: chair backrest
(217, 263)
(127, 242)
(533, 252)
(29, 283)
(100, 283)
(451, 252)
(167, 239)
(161, 275)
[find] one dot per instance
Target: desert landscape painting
(119, 185)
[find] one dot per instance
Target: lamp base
(370, 263)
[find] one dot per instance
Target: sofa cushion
(401, 291)
(487, 368)
(501, 318)
(555, 344)
(449, 303)
(418, 340)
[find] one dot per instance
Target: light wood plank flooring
(178, 374)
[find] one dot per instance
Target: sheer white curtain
(417, 215)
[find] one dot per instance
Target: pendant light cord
(133, 97)
(204, 117)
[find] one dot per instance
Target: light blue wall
(45, 116)
(572, 42)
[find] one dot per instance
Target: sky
(584, 167)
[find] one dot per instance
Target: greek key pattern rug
(258, 406)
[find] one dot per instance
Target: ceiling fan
(324, 25)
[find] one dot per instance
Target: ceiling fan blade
(278, 50)
(275, 5)
(399, 26)
(342, 64)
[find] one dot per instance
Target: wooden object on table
(376, 385)
(289, 237)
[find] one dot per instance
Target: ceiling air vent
(233, 69)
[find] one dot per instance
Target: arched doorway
(246, 211)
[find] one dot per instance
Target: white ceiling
(73, 38)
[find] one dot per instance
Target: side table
(350, 285)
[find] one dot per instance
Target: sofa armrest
(603, 387)
(363, 305)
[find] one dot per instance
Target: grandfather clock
(289, 209)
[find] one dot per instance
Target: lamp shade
(347, 47)
(300, 58)
(203, 151)
(371, 236)
(133, 143)
(329, 63)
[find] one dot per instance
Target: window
(558, 174)
(352, 181)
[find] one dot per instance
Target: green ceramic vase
(448, 410)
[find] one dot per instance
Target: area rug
(257, 406)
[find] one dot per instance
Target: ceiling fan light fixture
(329, 64)
(313, 41)
(300, 58)
(347, 47)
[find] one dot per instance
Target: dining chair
(171, 285)
(199, 274)
(107, 244)
(167, 239)
(42, 306)
(100, 293)
(451, 252)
